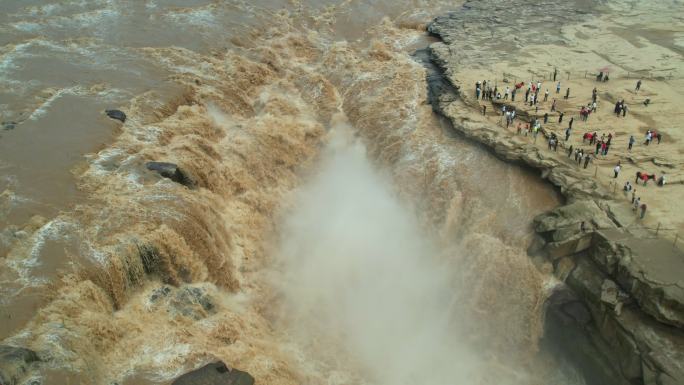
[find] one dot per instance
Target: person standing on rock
(638, 86)
(631, 142)
(633, 195)
(546, 95)
(553, 106)
(587, 159)
(579, 158)
(555, 73)
(484, 109)
(558, 87)
(560, 117)
(636, 203)
(527, 94)
(643, 210)
(508, 91)
(477, 93)
(567, 134)
(570, 122)
(616, 170)
(624, 110)
(598, 147)
(570, 151)
(513, 94)
(546, 118)
(567, 93)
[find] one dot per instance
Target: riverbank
(622, 297)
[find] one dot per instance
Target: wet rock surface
(187, 301)
(620, 313)
(170, 171)
(116, 114)
(216, 373)
(15, 362)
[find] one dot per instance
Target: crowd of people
(600, 144)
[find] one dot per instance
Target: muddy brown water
(63, 63)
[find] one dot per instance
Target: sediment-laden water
(336, 231)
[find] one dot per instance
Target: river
(337, 231)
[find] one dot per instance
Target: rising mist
(361, 278)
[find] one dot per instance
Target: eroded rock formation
(620, 312)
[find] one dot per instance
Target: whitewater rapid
(338, 233)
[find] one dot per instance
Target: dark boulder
(15, 363)
(216, 373)
(171, 171)
(116, 114)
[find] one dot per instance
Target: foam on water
(247, 124)
(202, 17)
(54, 95)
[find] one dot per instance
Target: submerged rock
(9, 125)
(216, 373)
(116, 114)
(15, 363)
(188, 301)
(171, 171)
(193, 302)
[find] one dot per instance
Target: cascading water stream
(392, 262)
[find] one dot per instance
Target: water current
(337, 231)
